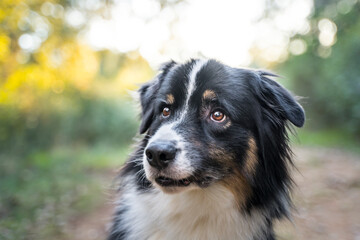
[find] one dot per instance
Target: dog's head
(208, 123)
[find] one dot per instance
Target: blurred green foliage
(81, 120)
(42, 192)
(328, 138)
(65, 120)
(329, 76)
(64, 117)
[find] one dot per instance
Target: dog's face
(208, 123)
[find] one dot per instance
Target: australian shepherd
(214, 159)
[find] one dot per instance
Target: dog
(214, 161)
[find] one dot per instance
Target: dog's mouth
(169, 182)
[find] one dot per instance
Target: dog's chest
(210, 214)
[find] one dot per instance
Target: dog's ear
(147, 94)
(278, 99)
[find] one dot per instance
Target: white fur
(192, 77)
(181, 167)
(208, 214)
(192, 84)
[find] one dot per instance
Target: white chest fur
(195, 214)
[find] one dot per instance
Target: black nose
(160, 154)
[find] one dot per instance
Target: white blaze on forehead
(192, 82)
(192, 77)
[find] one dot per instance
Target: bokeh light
(69, 69)
(225, 30)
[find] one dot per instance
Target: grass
(330, 138)
(43, 191)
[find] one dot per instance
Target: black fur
(257, 106)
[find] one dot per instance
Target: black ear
(277, 98)
(148, 93)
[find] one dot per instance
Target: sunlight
(327, 32)
(225, 30)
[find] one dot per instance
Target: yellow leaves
(11, 2)
(2, 14)
(56, 66)
(11, 12)
(134, 72)
(33, 76)
(4, 47)
(80, 65)
(25, 84)
(75, 64)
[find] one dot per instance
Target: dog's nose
(160, 154)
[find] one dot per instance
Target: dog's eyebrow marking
(170, 99)
(251, 158)
(209, 95)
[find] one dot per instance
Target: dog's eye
(217, 116)
(166, 112)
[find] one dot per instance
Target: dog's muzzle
(160, 153)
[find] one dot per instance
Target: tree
(328, 73)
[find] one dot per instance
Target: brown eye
(218, 116)
(166, 112)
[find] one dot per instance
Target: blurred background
(67, 119)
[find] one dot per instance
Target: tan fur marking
(208, 94)
(236, 181)
(170, 99)
(220, 154)
(238, 186)
(251, 160)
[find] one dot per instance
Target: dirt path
(327, 199)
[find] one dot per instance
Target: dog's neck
(210, 213)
